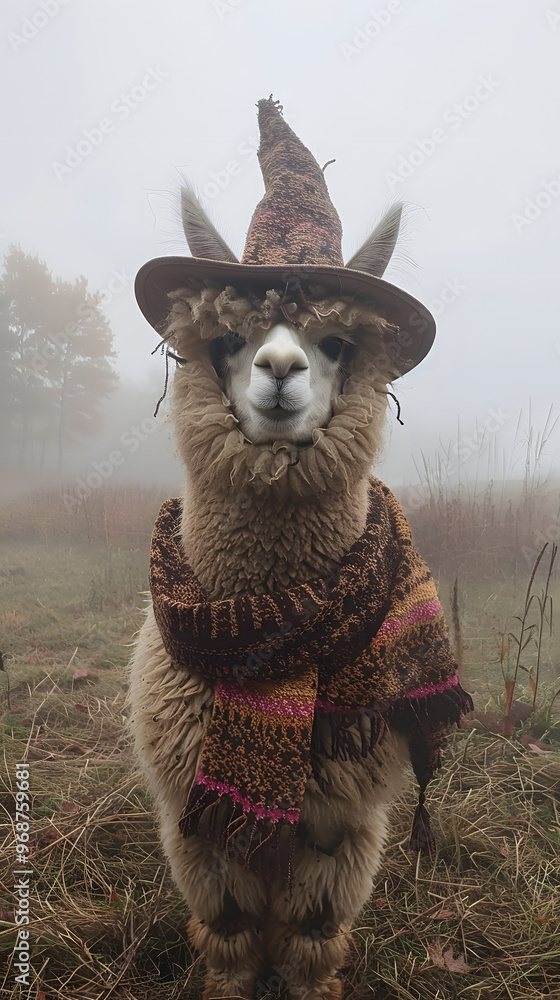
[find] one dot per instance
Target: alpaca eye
(222, 348)
(332, 347)
(232, 342)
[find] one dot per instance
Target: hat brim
(407, 348)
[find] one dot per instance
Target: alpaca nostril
(280, 363)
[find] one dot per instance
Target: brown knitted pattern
(295, 222)
(293, 671)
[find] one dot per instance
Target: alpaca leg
(226, 902)
(308, 928)
(307, 958)
(169, 709)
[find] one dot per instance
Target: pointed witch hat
(294, 241)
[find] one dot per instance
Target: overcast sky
(453, 105)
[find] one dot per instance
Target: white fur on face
(281, 384)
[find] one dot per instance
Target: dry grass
(121, 516)
(480, 921)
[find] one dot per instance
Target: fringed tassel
(422, 837)
(216, 819)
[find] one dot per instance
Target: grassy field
(480, 921)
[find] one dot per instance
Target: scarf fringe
(422, 839)
(348, 735)
(216, 819)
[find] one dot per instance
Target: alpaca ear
(374, 255)
(202, 236)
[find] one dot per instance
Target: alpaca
(279, 403)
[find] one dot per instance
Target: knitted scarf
(322, 668)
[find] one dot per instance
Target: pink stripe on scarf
(429, 689)
(423, 692)
(273, 814)
(265, 703)
(391, 627)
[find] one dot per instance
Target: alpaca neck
(257, 542)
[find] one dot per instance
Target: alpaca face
(281, 384)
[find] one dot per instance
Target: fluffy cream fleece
(257, 518)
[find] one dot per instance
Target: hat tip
(270, 105)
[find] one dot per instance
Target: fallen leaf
(443, 914)
(32, 661)
(455, 964)
(82, 708)
(380, 903)
(80, 674)
(7, 916)
(532, 743)
(445, 959)
(541, 920)
(87, 801)
(113, 897)
(70, 807)
(41, 995)
(435, 953)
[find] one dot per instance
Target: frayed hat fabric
(293, 244)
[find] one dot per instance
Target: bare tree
(57, 347)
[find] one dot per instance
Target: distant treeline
(56, 364)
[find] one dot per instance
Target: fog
(452, 107)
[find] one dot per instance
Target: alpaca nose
(281, 353)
